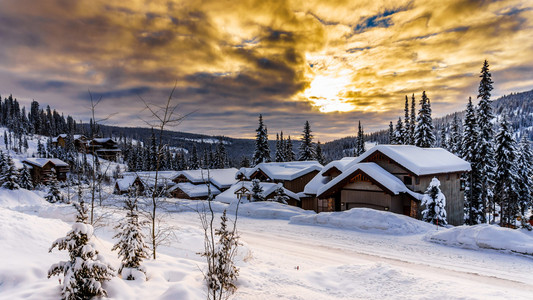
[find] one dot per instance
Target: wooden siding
(451, 188)
(297, 185)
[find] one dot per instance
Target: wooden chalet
(243, 191)
(193, 184)
(293, 175)
(41, 169)
(80, 141)
(389, 177)
(105, 148)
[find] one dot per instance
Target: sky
(333, 63)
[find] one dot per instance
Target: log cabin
(389, 177)
(41, 169)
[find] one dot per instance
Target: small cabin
(243, 191)
(42, 169)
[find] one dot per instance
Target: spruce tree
(412, 121)
(53, 195)
(506, 175)
(10, 178)
(407, 124)
(524, 165)
(279, 150)
(319, 155)
(262, 151)
(194, 163)
(424, 136)
(473, 204)
(280, 196)
(289, 152)
(130, 245)
(486, 133)
(391, 134)
(434, 203)
(282, 147)
(84, 272)
(360, 141)
(399, 133)
(443, 139)
(307, 149)
(455, 137)
(257, 191)
(26, 182)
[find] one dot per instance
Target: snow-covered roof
(229, 195)
(222, 178)
(103, 140)
(319, 180)
(246, 172)
(43, 161)
(164, 178)
(420, 161)
(195, 190)
(374, 171)
(124, 184)
(286, 170)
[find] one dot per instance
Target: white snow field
(358, 254)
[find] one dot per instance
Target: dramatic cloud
(329, 62)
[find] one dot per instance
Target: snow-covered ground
(325, 256)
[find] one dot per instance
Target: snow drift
(484, 236)
(269, 210)
(366, 219)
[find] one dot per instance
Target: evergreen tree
(434, 203)
(443, 139)
(194, 163)
(221, 156)
(407, 124)
(486, 133)
(26, 182)
(473, 204)
(10, 178)
(245, 162)
(53, 194)
(85, 271)
(262, 150)
(399, 133)
(360, 141)
(130, 245)
(455, 137)
(257, 191)
(279, 150)
(412, 121)
(506, 176)
(307, 149)
(289, 153)
(391, 134)
(280, 196)
(319, 155)
(524, 165)
(424, 136)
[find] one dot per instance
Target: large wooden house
(105, 148)
(42, 169)
(293, 175)
(389, 177)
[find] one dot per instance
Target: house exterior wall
(297, 185)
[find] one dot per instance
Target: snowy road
(344, 264)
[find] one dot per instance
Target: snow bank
(269, 210)
(484, 236)
(366, 219)
(20, 197)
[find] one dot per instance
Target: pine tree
(130, 245)
(194, 163)
(391, 134)
(412, 121)
(443, 139)
(486, 133)
(279, 150)
(257, 191)
(53, 195)
(424, 136)
(10, 178)
(360, 141)
(280, 196)
(307, 149)
(524, 165)
(455, 137)
(407, 124)
(245, 162)
(399, 133)
(85, 271)
(221, 156)
(434, 203)
(506, 175)
(319, 155)
(289, 153)
(262, 150)
(26, 182)
(473, 204)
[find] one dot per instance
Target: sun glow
(325, 93)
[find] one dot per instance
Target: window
(407, 180)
